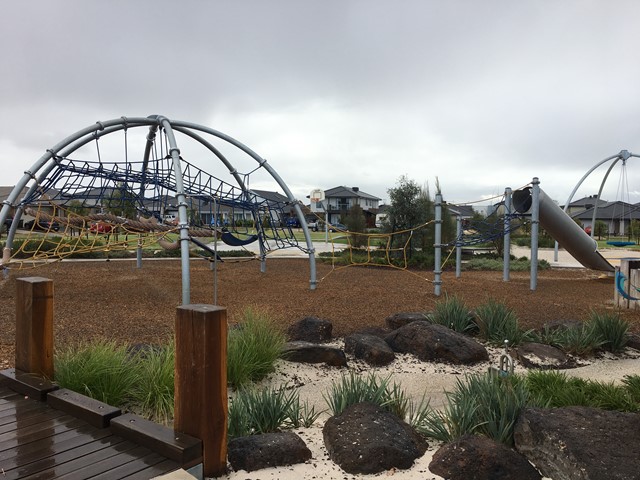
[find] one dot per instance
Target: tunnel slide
(563, 229)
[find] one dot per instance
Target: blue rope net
(141, 194)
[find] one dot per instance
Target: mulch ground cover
(115, 300)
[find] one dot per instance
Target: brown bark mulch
(115, 300)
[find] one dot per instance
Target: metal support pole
(139, 253)
(458, 246)
(437, 271)
(535, 228)
(214, 264)
(507, 235)
(183, 217)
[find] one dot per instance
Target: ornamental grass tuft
(454, 314)
(253, 348)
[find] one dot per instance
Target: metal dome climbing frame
(136, 174)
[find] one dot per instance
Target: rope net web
(89, 203)
(390, 250)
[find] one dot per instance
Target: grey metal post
(214, 264)
(458, 246)
(182, 210)
(139, 253)
(437, 271)
(507, 235)
(535, 228)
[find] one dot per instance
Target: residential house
(465, 212)
(585, 203)
(617, 215)
(339, 200)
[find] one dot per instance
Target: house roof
(348, 192)
(611, 211)
(271, 196)
(588, 202)
(465, 211)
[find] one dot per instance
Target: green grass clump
(556, 389)
(611, 330)
(497, 264)
(496, 323)
(102, 370)
(253, 348)
(353, 388)
(254, 411)
(484, 404)
(454, 314)
(153, 394)
(576, 340)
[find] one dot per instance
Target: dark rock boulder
(255, 452)
(375, 331)
(633, 341)
(306, 352)
(401, 319)
(366, 438)
(373, 350)
(478, 457)
(544, 357)
(436, 343)
(311, 329)
(580, 443)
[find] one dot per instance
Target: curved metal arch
(46, 163)
(622, 155)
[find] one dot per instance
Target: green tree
(601, 229)
(77, 207)
(634, 230)
(411, 206)
(120, 202)
(356, 222)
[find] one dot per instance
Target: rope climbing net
(391, 250)
(112, 191)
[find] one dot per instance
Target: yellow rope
(371, 247)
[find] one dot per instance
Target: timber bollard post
(201, 381)
(34, 326)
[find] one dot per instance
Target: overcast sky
(480, 94)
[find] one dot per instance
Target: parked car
(293, 222)
(313, 225)
(7, 223)
(42, 225)
(100, 227)
(337, 227)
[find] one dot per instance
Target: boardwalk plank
(47, 447)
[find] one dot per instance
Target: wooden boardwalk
(38, 441)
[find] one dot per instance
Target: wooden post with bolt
(201, 381)
(34, 326)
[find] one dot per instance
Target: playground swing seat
(233, 241)
(620, 243)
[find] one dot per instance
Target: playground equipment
(562, 228)
(133, 183)
(622, 156)
(627, 279)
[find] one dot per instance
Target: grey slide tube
(563, 229)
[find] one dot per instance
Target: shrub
(632, 384)
(354, 388)
(496, 323)
(253, 348)
(153, 394)
(487, 404)
(581, 341)
(522, 264)
(454, 314)
(101, 370)
(253, 412)
(610, 329)
(556, 389)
